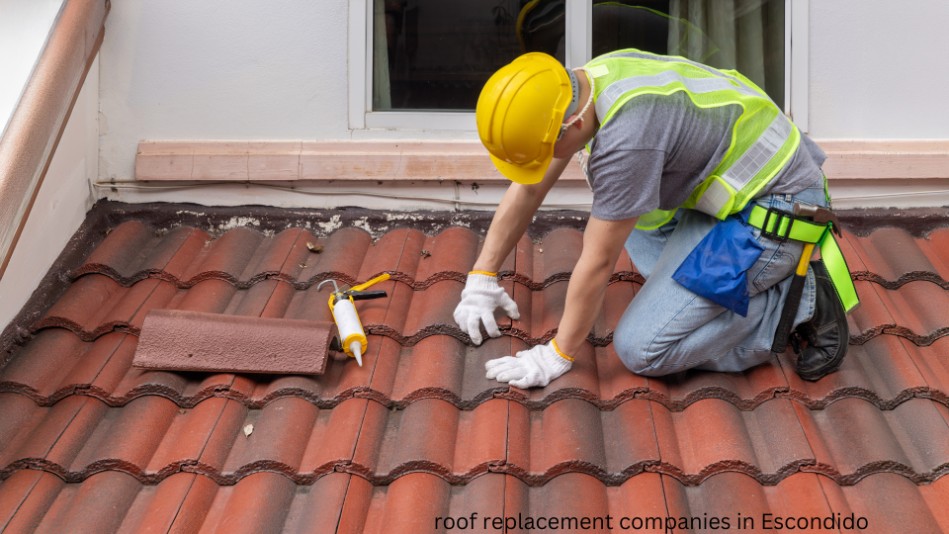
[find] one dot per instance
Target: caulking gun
(343, 308)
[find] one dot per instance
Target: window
(436, 55)
(428, 59)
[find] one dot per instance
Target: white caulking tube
(351, 334)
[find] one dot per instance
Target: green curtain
(381, 90)
(746, 35)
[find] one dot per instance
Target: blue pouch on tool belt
(717, 267)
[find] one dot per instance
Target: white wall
(246, 69)
(221, 69)
(24, 27)
(878, 69)
(61, 203)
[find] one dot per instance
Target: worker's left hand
(529, 368)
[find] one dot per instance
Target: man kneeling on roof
(717, 197)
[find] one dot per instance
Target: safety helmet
(519, 114)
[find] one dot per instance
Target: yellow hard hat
(519, 114)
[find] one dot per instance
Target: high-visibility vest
(763, 139)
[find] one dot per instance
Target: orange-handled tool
(793, 301)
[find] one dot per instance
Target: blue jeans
(668, 328)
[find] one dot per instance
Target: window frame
(578, 27)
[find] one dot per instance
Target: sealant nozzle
(356, 349)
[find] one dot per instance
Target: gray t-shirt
(657, 148)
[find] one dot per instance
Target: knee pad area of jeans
(632, 352)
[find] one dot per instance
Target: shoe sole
(833, 366)
(822, 277)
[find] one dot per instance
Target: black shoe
(821, 343)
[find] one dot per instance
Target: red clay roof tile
(431, 313)
(410, 504)
(418, 432)
(885, 370)
(20, 430)
(186, 440)
(260, 502)
(91, 506)
(450, 252)
(712, 436)
(852, 437)
(46, 366)
(158, 508)
(890, 503)
(25, 498)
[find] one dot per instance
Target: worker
(698, 174)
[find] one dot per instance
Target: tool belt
(781, 225)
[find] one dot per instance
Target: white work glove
(533, 367)
(481, 296)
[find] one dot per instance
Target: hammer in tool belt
(818, 215)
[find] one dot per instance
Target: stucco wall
(245, 69)
(61, 203)
(215, 69)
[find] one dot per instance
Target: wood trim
(34, 130)
(426, 161)
(360, 161)
(886, 159)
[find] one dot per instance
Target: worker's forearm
(585, 293)
(508, 225)
(602, 243)
(514, 214)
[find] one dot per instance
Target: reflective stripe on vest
(743, 171)
(763, 139)
(614, 91)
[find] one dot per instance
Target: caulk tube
(350, 328)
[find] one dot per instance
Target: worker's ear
(573, 121)
(580, 122)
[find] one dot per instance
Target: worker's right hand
(530, 368)
(481, 296)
